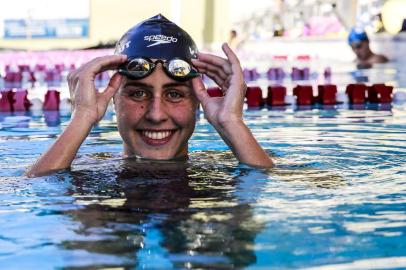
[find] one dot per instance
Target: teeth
(156, 135)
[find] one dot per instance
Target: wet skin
(361, 50)
(365, 57)
(156, 116)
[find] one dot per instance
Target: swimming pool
(336, 199)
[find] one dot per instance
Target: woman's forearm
(243, 144)
(62, 152)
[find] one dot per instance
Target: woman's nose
(156, 111)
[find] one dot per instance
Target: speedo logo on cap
(121, 47)
(160, 39)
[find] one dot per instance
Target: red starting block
(356, 93)
(275, 73)
(6, 101)
(21, 102)
(40, 67)
(276, 95)
(53, 76)
(300, 74)
(51, 101)
(13, 77)
(254, 96)
(214, 92)
(380, 93)
(304, 94)
(327, 94)
(22, 68)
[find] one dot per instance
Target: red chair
(327, 94)
(254, 96)
(304, 94)
(356, 93)
(380, 93)
(276, 95)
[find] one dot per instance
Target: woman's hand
(228, 75)
(87, 103)
(225, 113)
(89, 106)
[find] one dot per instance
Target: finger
(112, 87)
(200, 90)
(213, 68)
(232, 57)
(216, 60)
(104, 63)
(73, 81)
(219, 81)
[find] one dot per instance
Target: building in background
(75, 24)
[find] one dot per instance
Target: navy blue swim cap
(357, 35)
(159, 38)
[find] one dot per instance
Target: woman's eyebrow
(138, 84)
(176, 84)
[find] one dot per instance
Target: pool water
(335, 200)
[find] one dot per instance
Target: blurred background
(78, 24)
(42, 40)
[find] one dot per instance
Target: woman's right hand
(87, 103)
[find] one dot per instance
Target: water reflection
(201, 219)
(52, 118)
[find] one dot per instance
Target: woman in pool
(359, 43)
(156, 93)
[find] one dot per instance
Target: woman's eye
(138, 94)
(174, 95)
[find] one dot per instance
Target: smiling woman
(156, 94)
(156, 116)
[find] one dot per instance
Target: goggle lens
(179, 68)
(356, 45)
(138, 68)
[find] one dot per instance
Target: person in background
(234, 41)
(359, 42)
(156, 92)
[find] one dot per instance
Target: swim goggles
(140, 67)
(356, 45)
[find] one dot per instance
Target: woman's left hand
(225, 113)
(228, 75)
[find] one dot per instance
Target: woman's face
(156, 116)
(361, 49)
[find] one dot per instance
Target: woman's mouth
(156, 137)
